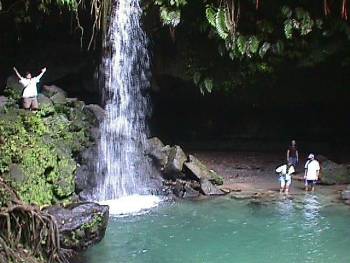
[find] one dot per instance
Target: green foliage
(217, 18)
(170, 11)
(211, 15)
(300, 22)
(170, 17)
(220, 23)
(43, 146)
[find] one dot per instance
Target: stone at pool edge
(333, 173)
(174, 166)
(199, 171)
(345, 194)
(81, 225)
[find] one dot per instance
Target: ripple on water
(225, 230)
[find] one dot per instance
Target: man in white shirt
(30, 92)
(285, 172)
(312, 172)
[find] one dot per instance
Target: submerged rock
(81, 225)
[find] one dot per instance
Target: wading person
(292, 153)
(29, 96)
(285, 176)
(312, 172)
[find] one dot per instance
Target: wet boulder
(81, 225)
(190, 192)
(198, 171)
(84, 179)
(345, 195)
(174, 165)
(157, 151)
(86, 176)
(185, 189)
(333, 173)
(95, 113)
(207, 188)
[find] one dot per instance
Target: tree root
(28, 234)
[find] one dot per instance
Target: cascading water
(126, 78)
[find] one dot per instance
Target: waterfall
(122, 166)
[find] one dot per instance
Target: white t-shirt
(29, 85)
(312, 167)
(283, 170)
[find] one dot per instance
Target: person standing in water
(292, 154)
(30, 101)
(285, 172)
(312, 172)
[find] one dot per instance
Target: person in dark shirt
(292, 154)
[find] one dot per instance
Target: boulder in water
(81, 225)
(345, 195)
(333, 173)
(207, 188)
(189, 192)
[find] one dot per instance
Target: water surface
(226, 230)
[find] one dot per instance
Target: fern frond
(210, 13)
(220, 24)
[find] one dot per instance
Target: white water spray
(126, 71)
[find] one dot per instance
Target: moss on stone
(44, 145)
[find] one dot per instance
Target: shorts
(293, 160)
(285, 182)
(30, 103)
(310, 183)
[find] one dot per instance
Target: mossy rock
(63, 178)
(198, 171)
(44, 101)
(43, 146)
(13, 88)
(58, 98)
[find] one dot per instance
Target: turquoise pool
(227, 230)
